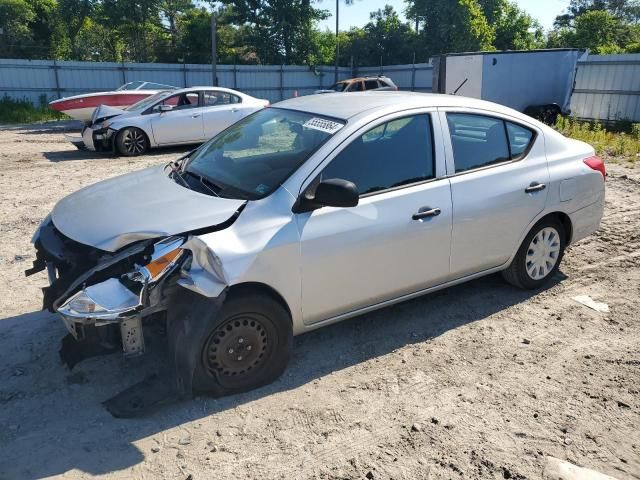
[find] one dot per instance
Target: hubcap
(133, 141)
(236, 348)
(543, 253)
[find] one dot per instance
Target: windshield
(252, 158)
(129, 86)
(146, 102)
(157, 86)
(339, 87)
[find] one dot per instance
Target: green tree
(452, 25)
(598, 30)
(389, 38)
(47, 30)
(15, 18)
(75, 14)
(493, 9)
(195, 39)
(323, 48)
(280, 30)
(172, 12)
(516, 30)
(626, 10)
(137, 28)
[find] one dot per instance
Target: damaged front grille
(68, 261)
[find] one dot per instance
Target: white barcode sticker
(323, 125)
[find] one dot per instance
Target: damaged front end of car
(105, 298)
(92, 288)
(97, 134)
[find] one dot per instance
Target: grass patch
(23, 111)
(613, 142)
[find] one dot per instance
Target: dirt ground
(477, 381)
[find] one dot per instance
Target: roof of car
(344, 106)
(359, 79)
(206, 88)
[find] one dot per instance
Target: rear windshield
(254, 156)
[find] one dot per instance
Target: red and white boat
(81, 107)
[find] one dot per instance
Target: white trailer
(536, 82)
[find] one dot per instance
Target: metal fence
(607, 86)
(33, 79)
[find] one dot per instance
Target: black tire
(257, 328)
(131, 142)
(517, 274)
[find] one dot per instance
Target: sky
(357, 15)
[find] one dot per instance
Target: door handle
(195, 115)
(426, 212)
(234, 110)
(535, 187)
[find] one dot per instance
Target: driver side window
(396, 153)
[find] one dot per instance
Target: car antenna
(455, 92)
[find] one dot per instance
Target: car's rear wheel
(248, 347)
(539, 256)
(131, 142)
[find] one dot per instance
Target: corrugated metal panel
(608, 88)
(417, 77)
(31, 79)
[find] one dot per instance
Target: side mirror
(165, 108)
(333, 192)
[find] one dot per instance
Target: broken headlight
(116, 297)
(166, 255)
(108, 300)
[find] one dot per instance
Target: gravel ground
(477, 381)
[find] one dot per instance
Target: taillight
(597, 164)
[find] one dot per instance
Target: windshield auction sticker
(323, 125)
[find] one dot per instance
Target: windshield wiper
(175, 173)
(205, 182)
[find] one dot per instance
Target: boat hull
(81, 107)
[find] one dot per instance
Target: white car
(314, 210)
(186, 116)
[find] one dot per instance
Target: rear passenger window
(479, 141)
(213, 98)
(519, 139)
(390, 155)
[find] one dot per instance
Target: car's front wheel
(248, 347)
(539, 256)
(131, 142)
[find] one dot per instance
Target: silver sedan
(312, 211)
(176, 117)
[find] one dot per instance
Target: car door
(181, 124)
(220, 110)
(498, 179)
(396, 241)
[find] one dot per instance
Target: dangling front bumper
(91, 288)
(96, 140)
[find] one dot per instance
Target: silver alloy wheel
(133, 141)
(543, 253)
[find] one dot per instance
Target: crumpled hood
(104, 112)
(140, 205)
